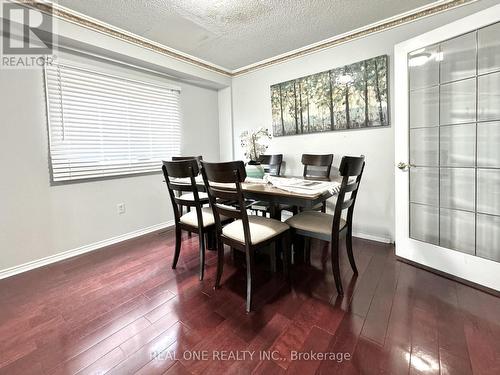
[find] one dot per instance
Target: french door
(448, 148)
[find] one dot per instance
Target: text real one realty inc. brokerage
(243, 355)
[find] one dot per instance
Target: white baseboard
(81, 250)
(111, 241)
(372, 237)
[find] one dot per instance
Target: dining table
(275, 196)
(263, 191)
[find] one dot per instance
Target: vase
(254, 170)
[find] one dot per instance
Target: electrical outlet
(121, 208)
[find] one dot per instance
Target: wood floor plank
(177, 369)
(377, 318)
(259, 347)
(105, 363)
(304, 361)
(134, 361)
(344, 342)
(82, 360)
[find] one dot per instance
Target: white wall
(225, 124)
(374, 216)
(39, 220)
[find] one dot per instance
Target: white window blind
(102, 125)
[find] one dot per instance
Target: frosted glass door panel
(488, 237)
(424, 147)
(458, 58)
(458, 146)
(488, 144)
(488, 191)
(489, 97)
(457, 188)
(424, 223)
(425, 69)
(489, 49)
(424, 185)
(456, 230)
(424, 107)
(458, 102)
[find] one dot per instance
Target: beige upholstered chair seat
(192, 219)
(190, 196)
(314, 222)
(261, 229)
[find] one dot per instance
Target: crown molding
(93, 24)
(374, 28)
(118, 33)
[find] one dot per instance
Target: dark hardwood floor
(123, 310)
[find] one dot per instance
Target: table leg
(298, 250)
(274, 211)
(211, 240)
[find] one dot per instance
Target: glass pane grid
(454, 92)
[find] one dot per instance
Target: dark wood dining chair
(317, 167)
(201, 219)
(248, 234)
(271, 163)
(313, 224)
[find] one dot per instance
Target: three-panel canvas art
(349, 97)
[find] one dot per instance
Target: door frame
(477, 270)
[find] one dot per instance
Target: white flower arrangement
(255, 142)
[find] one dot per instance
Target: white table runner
(305, 187)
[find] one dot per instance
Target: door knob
(403, 166)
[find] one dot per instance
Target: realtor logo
(27, 36)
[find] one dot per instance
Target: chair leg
(298, 249)
(335, 265)
(188, 209)
(272, 256)
(286, 250)
(323, 207)
(350, 255)
(250, 267)
(201, 239)
(220, 262)
(178, 240)
(307, 251)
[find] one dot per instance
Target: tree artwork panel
(349, 97)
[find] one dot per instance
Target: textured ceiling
(236, 33)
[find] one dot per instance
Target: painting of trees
(348, 97)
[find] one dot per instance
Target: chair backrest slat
(321, 166)
(225, 210)
(198, 158)
(186, 186)
(225, 194)
(271, 163)
(351, 187)
(347, 203)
